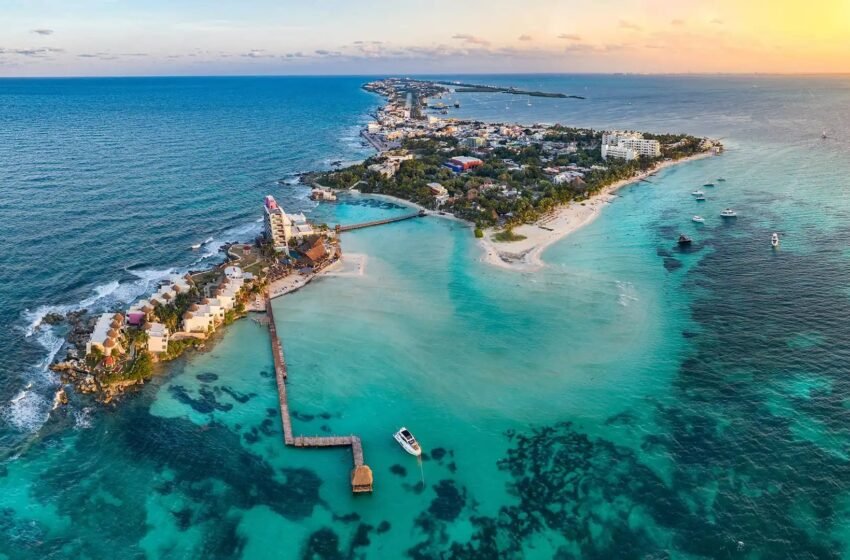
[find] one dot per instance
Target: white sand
(524, 255)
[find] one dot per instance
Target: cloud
(298, 54)
(629, 25)
(677, 22)
(525, 37)
(585, 48)
(39, 52)
(257, 53)
(471, 39)
(42, 31)
(569, 36)
(717, 21)
(325, 52)
(368, 43)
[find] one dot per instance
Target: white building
(628, 140)
(157, 337)
(107, 329)
(617, 152)
(278, 226)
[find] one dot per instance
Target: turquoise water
(628, 400)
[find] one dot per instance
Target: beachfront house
(157, 337)
(105, 337)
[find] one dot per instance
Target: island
(520, 187)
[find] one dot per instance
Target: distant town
(493, 175)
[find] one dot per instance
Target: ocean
(629, 400)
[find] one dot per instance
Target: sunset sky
(174, 37)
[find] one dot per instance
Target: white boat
(700, 198)
(698, 219)
(823, 135)
(728, 213)
(407, 441)
(774, 240)
(195, 247)
(697, 193)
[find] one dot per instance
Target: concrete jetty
(361, 474)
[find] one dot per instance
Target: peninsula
(521, 187)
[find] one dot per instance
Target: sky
(233, 37)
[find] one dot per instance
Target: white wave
(83, 418)
(243, 233)
(27, 411)
(627, 293)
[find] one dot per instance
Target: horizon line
(426, 74)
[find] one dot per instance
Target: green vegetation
(511, 188)
(139, 369)
(507, 236)
(479, 233)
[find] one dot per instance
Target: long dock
(361, 474)
(374, 223)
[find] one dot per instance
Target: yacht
(698, 219)
(774, 240)
(684, 239)
(708, 185)
(721, 179)
(408, 442)
(195, 247)
(700, 198)
(728, 213)
(698, 193)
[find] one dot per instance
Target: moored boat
(195, 246)
(698, 219)
(700, 198)
(406, 440)
(728, 213)
(697, 193)
(774, 240)
(684, 240)
(708, 185)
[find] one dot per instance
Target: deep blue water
(631, 400)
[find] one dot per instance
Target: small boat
(697, 193)
(728, 213)
(721, 179)
(408, 442)
(195, 247)
(774, 240)
(823, 135)
(698, 219)
(700, 198)
(708, 185)
(684, 240)
(457, 104)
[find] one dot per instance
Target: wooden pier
(361, 474)
(374, 223)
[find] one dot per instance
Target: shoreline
(525, 255)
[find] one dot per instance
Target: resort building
(441, 195)
(278, 226)
(633, 141)
(157, 337)
(139, 313)
(105, 336)
(617, 152)
(199, 319)
(322, 193)
(169, 289)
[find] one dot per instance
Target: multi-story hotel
(278, 225)
(628, 145)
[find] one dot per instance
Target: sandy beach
(524, 255)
